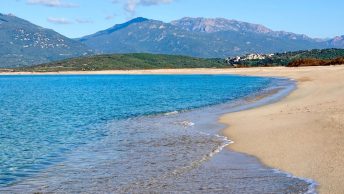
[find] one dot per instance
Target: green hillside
(127, 62)
(283, 59)
(160, 61)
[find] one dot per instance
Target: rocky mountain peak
(338, 38)
(337, 41)
(210, 25)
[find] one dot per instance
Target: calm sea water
(126, 133)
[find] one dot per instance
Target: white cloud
(155, 2)
(59, 20)
(56, 20)
(110, 17)
(83, 21)
(52, 3)
(131, 5)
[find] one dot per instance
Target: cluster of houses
(37, 39)
(239, 59)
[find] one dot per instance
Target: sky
(76, 18)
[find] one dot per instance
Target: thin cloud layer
(155, 2)
(56, 20)
(131, 5)
(83, 21)
(110, 17)
(59, 20)
(52, 3)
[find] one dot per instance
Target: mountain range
(200, 37)
(23, 43)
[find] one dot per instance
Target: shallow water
(131, 134)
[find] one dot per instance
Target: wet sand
(302, 134)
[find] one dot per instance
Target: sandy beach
(302, 134)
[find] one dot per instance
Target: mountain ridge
(218, 37)
(210, 25)
(337, 41)
(116, 27)
(23, 43)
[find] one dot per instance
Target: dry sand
(302, 134)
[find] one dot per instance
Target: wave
(171, 113)
(224, 143)
(312, 184)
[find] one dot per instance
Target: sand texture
(302, 134)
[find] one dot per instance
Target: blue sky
(76, 18)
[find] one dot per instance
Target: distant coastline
(146, 61)
(191, 71)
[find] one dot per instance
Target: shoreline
(225, 161)
(193, 71)
(301, 134)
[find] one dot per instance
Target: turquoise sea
(131, 134)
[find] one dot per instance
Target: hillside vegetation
(316, 62)
(127, 62)
(160, 61)
(283, 59)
